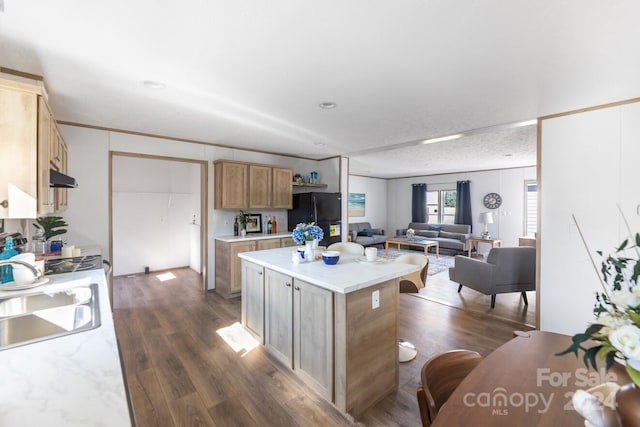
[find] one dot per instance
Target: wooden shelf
(308, 184)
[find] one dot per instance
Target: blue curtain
(419, 203)
(463, 203)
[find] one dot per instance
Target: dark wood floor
(181, 373)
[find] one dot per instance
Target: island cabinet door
(279, 316)
(253, 299)
(313, 336)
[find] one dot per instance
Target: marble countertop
(351, 273)
(253, 236)
(74, 380)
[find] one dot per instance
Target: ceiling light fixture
(153, 85)
(442, 138)
(327, 105)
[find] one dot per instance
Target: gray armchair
(506, 270)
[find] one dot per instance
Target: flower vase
(628, 405)
(309, 253)
(316, 244)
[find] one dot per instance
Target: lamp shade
(486, 218)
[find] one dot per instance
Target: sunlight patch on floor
(238, 338)
(165, 276)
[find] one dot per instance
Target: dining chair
(411, 283)
(347, 247)
(440, 375)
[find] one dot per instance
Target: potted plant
(242, 220)
(49, 226)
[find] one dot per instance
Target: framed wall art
(356, 204)
(254, 223)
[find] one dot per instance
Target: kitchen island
(336, 326)
(227, 248)
(73, 380)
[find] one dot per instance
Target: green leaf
(634, 374)
(622, 245)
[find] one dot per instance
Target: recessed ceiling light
(508, 155)
(153, 85)
(327, 105)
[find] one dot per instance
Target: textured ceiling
(250, 74)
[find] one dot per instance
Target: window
(530, 208)
(441, 206)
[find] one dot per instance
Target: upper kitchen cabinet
(231, 185)
(282, 188)
(259, 186)
(30, 137)
(19, 142)
(252, 186)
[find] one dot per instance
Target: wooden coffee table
(422, 243)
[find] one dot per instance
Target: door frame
(204, 214)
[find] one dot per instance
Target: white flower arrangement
(410, 233)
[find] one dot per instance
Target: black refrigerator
(325, 209)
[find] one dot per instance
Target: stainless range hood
(60, 180)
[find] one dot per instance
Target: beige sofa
(448, 236)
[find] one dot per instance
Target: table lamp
(486, 218)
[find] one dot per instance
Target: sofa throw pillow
(427, 233)
(376, 231)
(365, 233)
(435, 227)
(448, 235)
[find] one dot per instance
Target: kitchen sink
(26, 319)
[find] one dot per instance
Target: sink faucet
(35, 272)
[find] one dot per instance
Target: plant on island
(307, 233)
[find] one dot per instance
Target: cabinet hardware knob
(297, 288)
(260, 273)
(288, 285)
(4, 203)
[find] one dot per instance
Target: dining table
(525, 383)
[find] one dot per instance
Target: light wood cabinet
(241, 185)
(278, 316)
(253, 299)
(229, 267)
(231, 185)
(29, 132)
(259, 186)
(313, 336)
(19, 139)
(45, 126)
(286, 242)
(282, 188)
(299, 328)
(268, 244)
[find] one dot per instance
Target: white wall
(509, 183)
(375, 210)
(588, 165)
(154, 203)
(88, 163)
(89, 151)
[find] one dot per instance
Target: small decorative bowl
(330, 257)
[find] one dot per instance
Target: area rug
(436, 265)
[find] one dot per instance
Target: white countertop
(348, 275)
(253, 236)
(74, 380)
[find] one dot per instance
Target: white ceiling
(251, 74)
